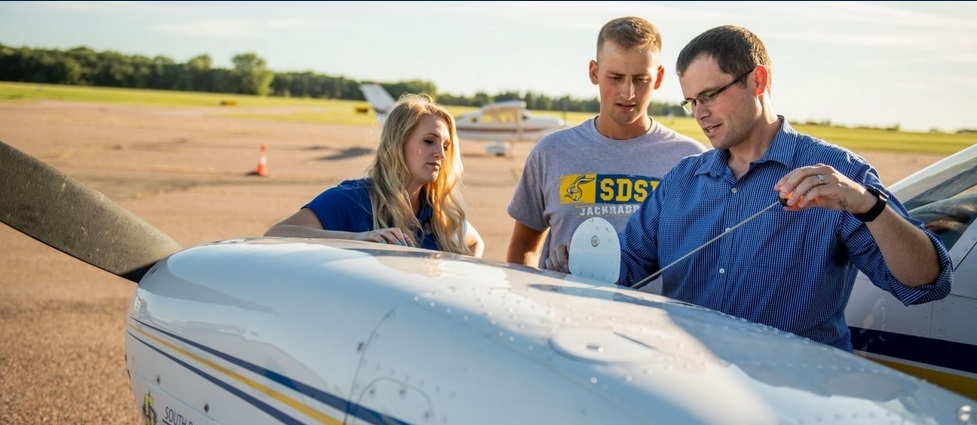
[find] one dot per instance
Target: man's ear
(593, 72)
(659, 77)
(760, 77)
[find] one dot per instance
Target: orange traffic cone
(262, 163)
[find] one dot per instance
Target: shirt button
(733, 190)
(727, 229)
(722, 270)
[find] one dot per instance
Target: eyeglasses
(709, 96)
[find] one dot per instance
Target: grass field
(352, 113)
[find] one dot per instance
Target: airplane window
(961, 182)
(948, 218)
(948, 205)
(494, 118)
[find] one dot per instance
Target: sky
(912, 64)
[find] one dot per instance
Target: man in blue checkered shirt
(791, 267)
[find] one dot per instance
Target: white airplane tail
(381, 101)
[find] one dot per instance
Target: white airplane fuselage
(529, 129)
(327, 331)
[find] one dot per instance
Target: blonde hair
(389, 173)
(630, 32)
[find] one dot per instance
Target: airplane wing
(504, 123)
(506, 105)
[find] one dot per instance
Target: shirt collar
(781, 150)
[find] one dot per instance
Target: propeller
(47, 205)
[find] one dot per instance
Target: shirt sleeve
(868, 257)
(639, 241)
(527, 205)
(340, 208)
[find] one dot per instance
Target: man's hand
(559, 259)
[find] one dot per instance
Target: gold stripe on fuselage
(317, 415)
(963, 385)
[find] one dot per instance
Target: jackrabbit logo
(605, 188)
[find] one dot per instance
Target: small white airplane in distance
(502, 123)
(293, 330)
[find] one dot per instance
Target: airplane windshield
(948, 218)
(949, 205)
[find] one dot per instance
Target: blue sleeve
(868, 258)
(639, 241)
(343, 208)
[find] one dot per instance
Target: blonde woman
(411, 195)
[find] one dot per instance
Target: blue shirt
(347, 207)
(791, 270)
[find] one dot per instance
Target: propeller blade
(47, 205)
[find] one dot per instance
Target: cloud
(114, 7)
(300, 23)
(71, 6)
(222, 28)
(963, 57)
(963, 81)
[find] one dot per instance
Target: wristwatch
(881, 199)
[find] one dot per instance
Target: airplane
(502, 123)
(295, 330)
(936, 341)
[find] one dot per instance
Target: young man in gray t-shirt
(606, 166)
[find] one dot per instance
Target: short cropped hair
(630, 32)
(735, 49)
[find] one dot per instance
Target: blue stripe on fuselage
(365, 414)
(937, 352)
(264, 407)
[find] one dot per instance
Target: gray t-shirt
(577, 173)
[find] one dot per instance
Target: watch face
(878, 193)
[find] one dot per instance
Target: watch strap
(880, 202)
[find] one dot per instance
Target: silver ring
(820, 179)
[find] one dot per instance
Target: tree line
(82, 66)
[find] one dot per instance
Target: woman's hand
(390, 235)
